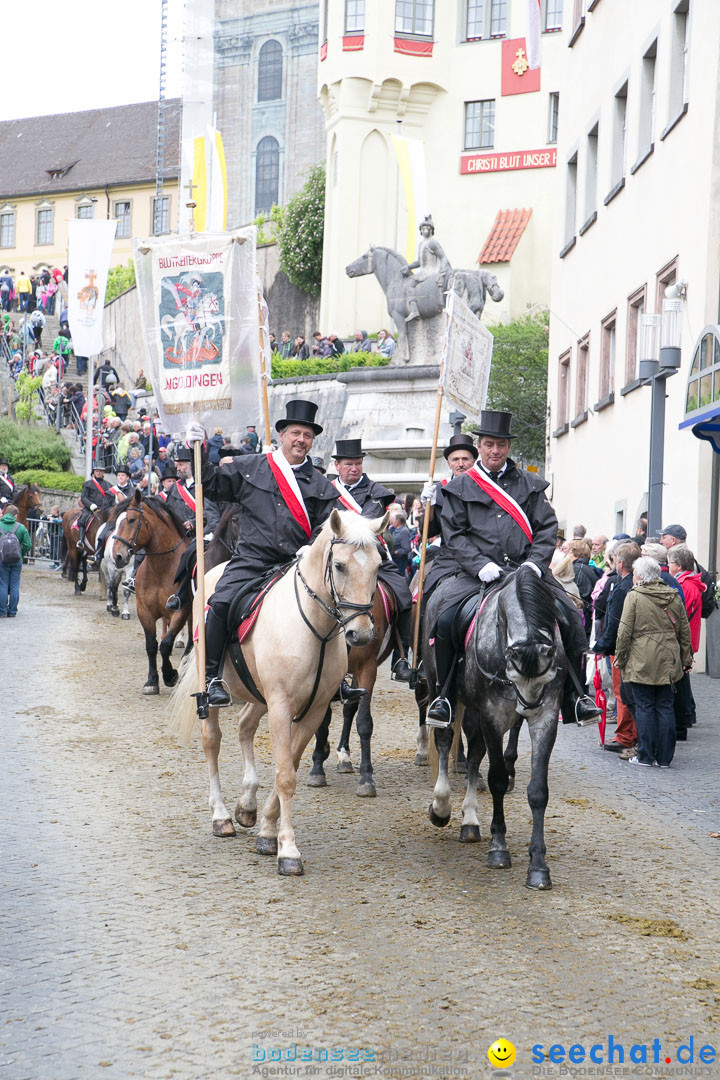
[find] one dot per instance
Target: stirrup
(586, 711)
(444, 706)
(401, 670)
(173, 602)
(80, 544)
(129, 585)
(218, 693)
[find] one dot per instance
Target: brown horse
(75, 561)
(26, 498)
(363, 663)
(149, 525)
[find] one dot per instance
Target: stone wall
(289, 307)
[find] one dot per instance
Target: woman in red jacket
(682, 566)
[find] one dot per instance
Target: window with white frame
(479, 124)
(553, 115)
(85, 211)
(551, 15)
(635, 308)
(581, 378)
(44, 225)
(619, 133)
(7, 229)
(570, 198)
(123, 218)
(646, 124)
(161, 215)
(591, 166)
(414, 17)
(607, 356)
(563, 394)
(485, 19)
(354, 16)
(679, 60)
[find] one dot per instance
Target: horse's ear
(336, 523)
(379, 524)
(138, 495)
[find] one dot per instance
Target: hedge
(32, 447)
(325, 365)
(59, 481)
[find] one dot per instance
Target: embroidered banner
(90, 246)
(469, 346)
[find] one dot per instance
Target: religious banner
(199, 312)
(90, 245)
(467, 358)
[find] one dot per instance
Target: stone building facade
(266, 55)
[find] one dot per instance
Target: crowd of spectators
(642, 600)
(34, 292)
(329, 345)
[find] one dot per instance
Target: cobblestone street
(134, 944)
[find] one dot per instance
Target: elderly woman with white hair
(653, 650)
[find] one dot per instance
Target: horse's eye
(340, 567)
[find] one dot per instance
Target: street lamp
(657, 365)
(456, 418)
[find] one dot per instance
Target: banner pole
(200, 561)
(89, 420)
(263, 372)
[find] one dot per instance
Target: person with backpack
(15, 543)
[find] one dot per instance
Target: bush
(46, 479)
(518, 381)
(120, 279)
(32, 447)
(325, 365)
(299, 230)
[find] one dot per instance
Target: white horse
(114, 576)
(297, 656)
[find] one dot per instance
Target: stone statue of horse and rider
(417, 291)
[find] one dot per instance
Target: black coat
(7, 491)
(269, 534)
(608, 639)
(211, 512)
(90, 495)
(476, 531)
(374, 498)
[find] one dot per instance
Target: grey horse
(513, 668)
(474, 286)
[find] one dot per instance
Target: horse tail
(433, 760)
(182, 706)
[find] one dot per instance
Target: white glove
(268, 448)
(208, 536)
(490, 572)
(195, 432)
(428, 493)
(303, 551)
(535, 567)
(93, 506)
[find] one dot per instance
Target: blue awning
(709, 430)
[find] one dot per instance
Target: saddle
(242, 615)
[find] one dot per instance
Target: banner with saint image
(199, 311)
(467, 358)
(90, 245)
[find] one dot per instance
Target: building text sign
(514, 159)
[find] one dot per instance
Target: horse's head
(491, 285)
(34, 496)
(350, 555)
(132, 529)
(364, 265)
(527, 622)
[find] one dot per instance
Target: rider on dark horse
(96, 495)
(371, 499)
(285, 502)
(180, 498)
(495, 517)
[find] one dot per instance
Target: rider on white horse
(285, 501)
(431, 262)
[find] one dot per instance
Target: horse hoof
(114, 612)
(462, 768)
(151, 688)
(179, 643)
(499, 860)
(245, 818)
(317, 780)
(224, 828)
(511, 785)
(366, 790)
(266, 845)
(125, 616)
(440, 822)
(290, 867)
(421, 759)
(538, 879)
(171, 680)
(345, 767)
(469, 834)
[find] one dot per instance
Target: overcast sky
(70, 55)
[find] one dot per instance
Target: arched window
(270, 61)
(267, 173)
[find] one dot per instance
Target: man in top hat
(284, 500)
(482, 537)
(167, 481)
(460, 454)
(181, 497)
(7, 484)
(371, 499)
(123, 488)
(95, 496)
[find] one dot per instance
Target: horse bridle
(131, 545)
(504, 681)
(339, 606)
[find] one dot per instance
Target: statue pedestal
(424, 343)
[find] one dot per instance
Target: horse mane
(357, 531)
(537, 602)
(395, 254)
(158, 506)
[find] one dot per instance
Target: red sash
(100, 488)
(186, 497)
(345, 496)
(503, 500)
(6, 480)
(163, 495)
(291, 501)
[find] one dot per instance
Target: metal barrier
(46, 538)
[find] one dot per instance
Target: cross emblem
(521, 65)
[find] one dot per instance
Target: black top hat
(319, 464)
(169, 473)
(98, 466)
(122, 468)
(4, 460)
(494, 423)
(299, 412)
(460, 442)
(184, 453)
(348, 448)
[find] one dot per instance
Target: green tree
(299, 230)
(518, 381)
(120, 278)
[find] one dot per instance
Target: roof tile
(504, 237)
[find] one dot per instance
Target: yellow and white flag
(410, 155)
(209, 178)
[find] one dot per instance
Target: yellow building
(100, 163)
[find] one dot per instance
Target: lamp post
(656, 366)
(456, 419)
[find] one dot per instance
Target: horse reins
(131, 545)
